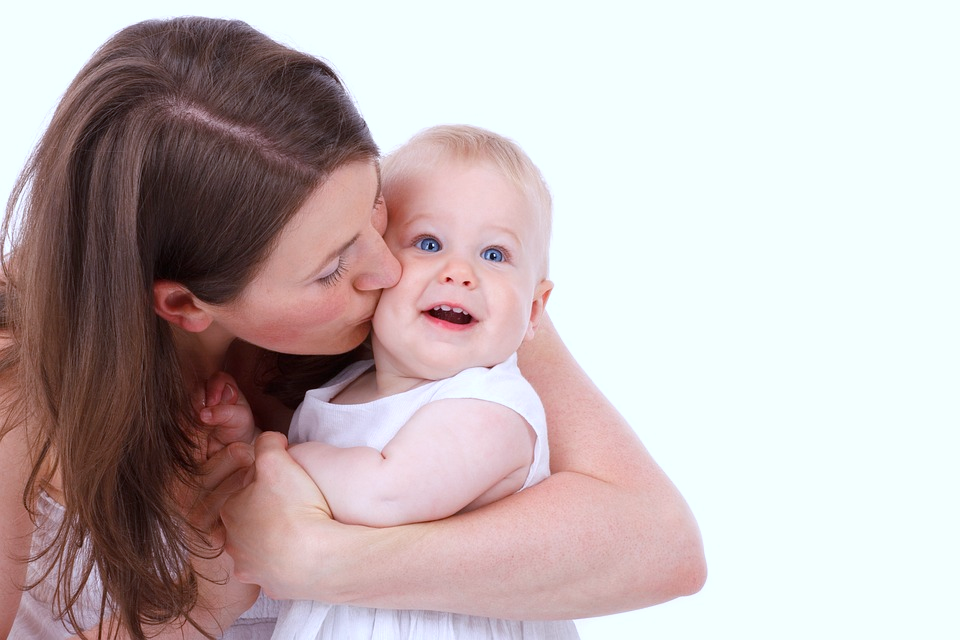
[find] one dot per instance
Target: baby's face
(469, 245)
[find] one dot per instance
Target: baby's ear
(177, 305)
(540, 296)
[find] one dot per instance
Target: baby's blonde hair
(472, 144)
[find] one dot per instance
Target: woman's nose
(382, 269)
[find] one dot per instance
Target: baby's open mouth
(456, 315)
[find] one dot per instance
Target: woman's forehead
(329, 221)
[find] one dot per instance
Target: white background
(755, 256)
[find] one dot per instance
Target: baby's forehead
(486, 179)
(419, 169)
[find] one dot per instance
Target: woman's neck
(202, 354)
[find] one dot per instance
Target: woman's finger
(279, 504)
(221, 477)
(226, 462)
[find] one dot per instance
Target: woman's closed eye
(333, 272)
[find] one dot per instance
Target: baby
(441, 420)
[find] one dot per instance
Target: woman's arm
(15, 525)
(608, 532)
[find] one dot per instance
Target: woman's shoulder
(9, 381)
(15, 523)
(16, 434)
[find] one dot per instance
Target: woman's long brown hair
(179, 152)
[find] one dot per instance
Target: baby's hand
(227, 413)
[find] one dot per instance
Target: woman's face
(316, 292)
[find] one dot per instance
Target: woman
(200, 184)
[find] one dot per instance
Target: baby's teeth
(443, 307)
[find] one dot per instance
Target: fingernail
(206, 415)
(228, 393)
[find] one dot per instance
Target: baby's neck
(376, 384)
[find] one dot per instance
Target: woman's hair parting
(179, 152)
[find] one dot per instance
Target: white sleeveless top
(37, 617)
(374, 424)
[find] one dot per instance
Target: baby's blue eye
(428, 244)
(494, 255)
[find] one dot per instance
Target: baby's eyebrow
(507, 231)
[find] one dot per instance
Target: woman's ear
(177, 305)
(540, 296)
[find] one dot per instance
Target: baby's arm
(451, 455)
(227, 412)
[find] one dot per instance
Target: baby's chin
(433, 359)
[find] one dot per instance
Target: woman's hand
(222, 597)
(271, 524)
(222, 476)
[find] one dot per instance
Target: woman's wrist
(337, 563)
